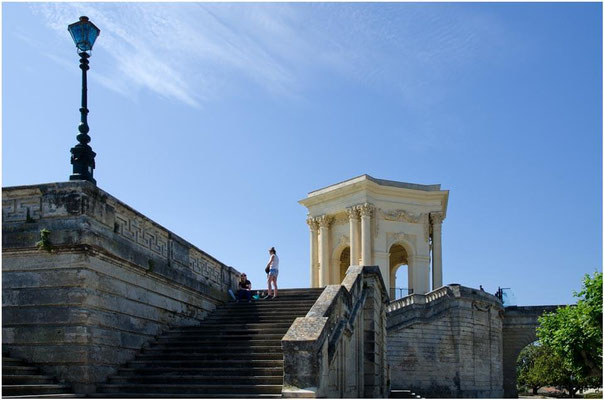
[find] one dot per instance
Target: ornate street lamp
(84, 33)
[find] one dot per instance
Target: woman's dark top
(245, 285)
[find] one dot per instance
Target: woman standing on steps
(273, 272)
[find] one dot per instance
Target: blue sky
(215, 119)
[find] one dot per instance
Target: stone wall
(447, 343)
(108, 282)
(339, 348)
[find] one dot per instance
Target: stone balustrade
(107, 280)
(420, 298)
(338, 348)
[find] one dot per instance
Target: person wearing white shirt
(273, 272)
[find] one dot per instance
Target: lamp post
(84, 33)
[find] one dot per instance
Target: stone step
(233, 344)
(281, 300)
(46, 396)
(267, 304)
(287, 294)
(174, 356)
(22, 390)
(268, 312)
(198, 379)
(298, 290)
(20, 380)
(12, 361)
(208, 349)
(402, 394)
(218, 339)
(206, 363)
(221, 327)
(234, 353)
(166, 371)
(201, 390)
(249, 319)
(272, 315)
(26, 379)
(187, 395)
(228, 330)
(253, 318)
(18, 370)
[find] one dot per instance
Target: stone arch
(519, 330)
(518, 359)
(344, 262)
(405, 240)
(398, 256)
(340, 254)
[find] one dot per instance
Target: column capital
(312, 222)
(436, 218)
(324, 221)
(366, 210)
(353, 213)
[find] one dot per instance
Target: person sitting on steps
(245, 289)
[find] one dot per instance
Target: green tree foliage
(573, 334)
(539, 366)
(527, 374)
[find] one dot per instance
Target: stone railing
(420, 298)
(339, 348)
(106, 281)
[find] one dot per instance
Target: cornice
(370, 188)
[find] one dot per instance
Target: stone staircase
(403, 394)
(234, 353)
(21, 380)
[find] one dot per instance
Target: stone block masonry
(108, 281)
(447, 343)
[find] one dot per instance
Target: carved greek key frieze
(204, 267)
(15, 210)
(135, 229)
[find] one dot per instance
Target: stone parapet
(447, 343)
(106, 282)
(339, 348)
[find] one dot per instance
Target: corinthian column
(353, 216)
(314, 251)
(324, 223)
(365, 210)
(436, 220)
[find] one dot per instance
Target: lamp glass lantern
(84, 34)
